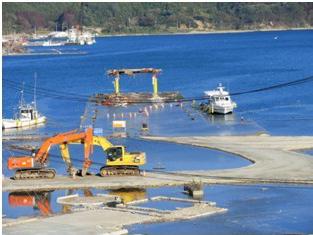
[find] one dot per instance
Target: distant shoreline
(207, 32)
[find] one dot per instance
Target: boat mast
(22, 96)
(35, 101)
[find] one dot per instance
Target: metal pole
(22, 96)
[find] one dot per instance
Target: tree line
(149, 17)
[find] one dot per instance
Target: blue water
(307, 152)
(191, 64)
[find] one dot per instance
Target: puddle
(29, 203)
(308, 152)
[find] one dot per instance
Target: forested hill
(139, 17)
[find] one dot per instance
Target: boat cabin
(220, 99)
(28, 113)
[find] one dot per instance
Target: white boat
(80, 37)
(81, 42)
(27, 115)
(89, 41)
(219, 101)
(52, 44)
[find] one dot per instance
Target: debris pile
(136, 98)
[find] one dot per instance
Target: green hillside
(118, 18)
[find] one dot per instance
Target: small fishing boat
(219, 101)
(27, 115)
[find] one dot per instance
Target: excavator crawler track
(119, 170)
(41, 173)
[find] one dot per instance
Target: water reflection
(40, 201)
(68, 208)
(222, 119)
(25, 130)
(129, 195)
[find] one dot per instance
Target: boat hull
(11, 123)
(221, 109)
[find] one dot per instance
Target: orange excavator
(118, 162)
(34, 166)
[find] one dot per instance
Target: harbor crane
(130, 72)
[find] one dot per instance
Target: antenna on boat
(35, 101)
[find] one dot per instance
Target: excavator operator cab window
(114, 153)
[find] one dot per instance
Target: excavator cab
(115, 153)
(120, 162)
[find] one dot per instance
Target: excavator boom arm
(97, 140)
(58, 139)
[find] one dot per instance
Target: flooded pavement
(26, 203)
(166, 119)
(251, 209)
(254, 209)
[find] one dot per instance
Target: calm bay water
(191, 64)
